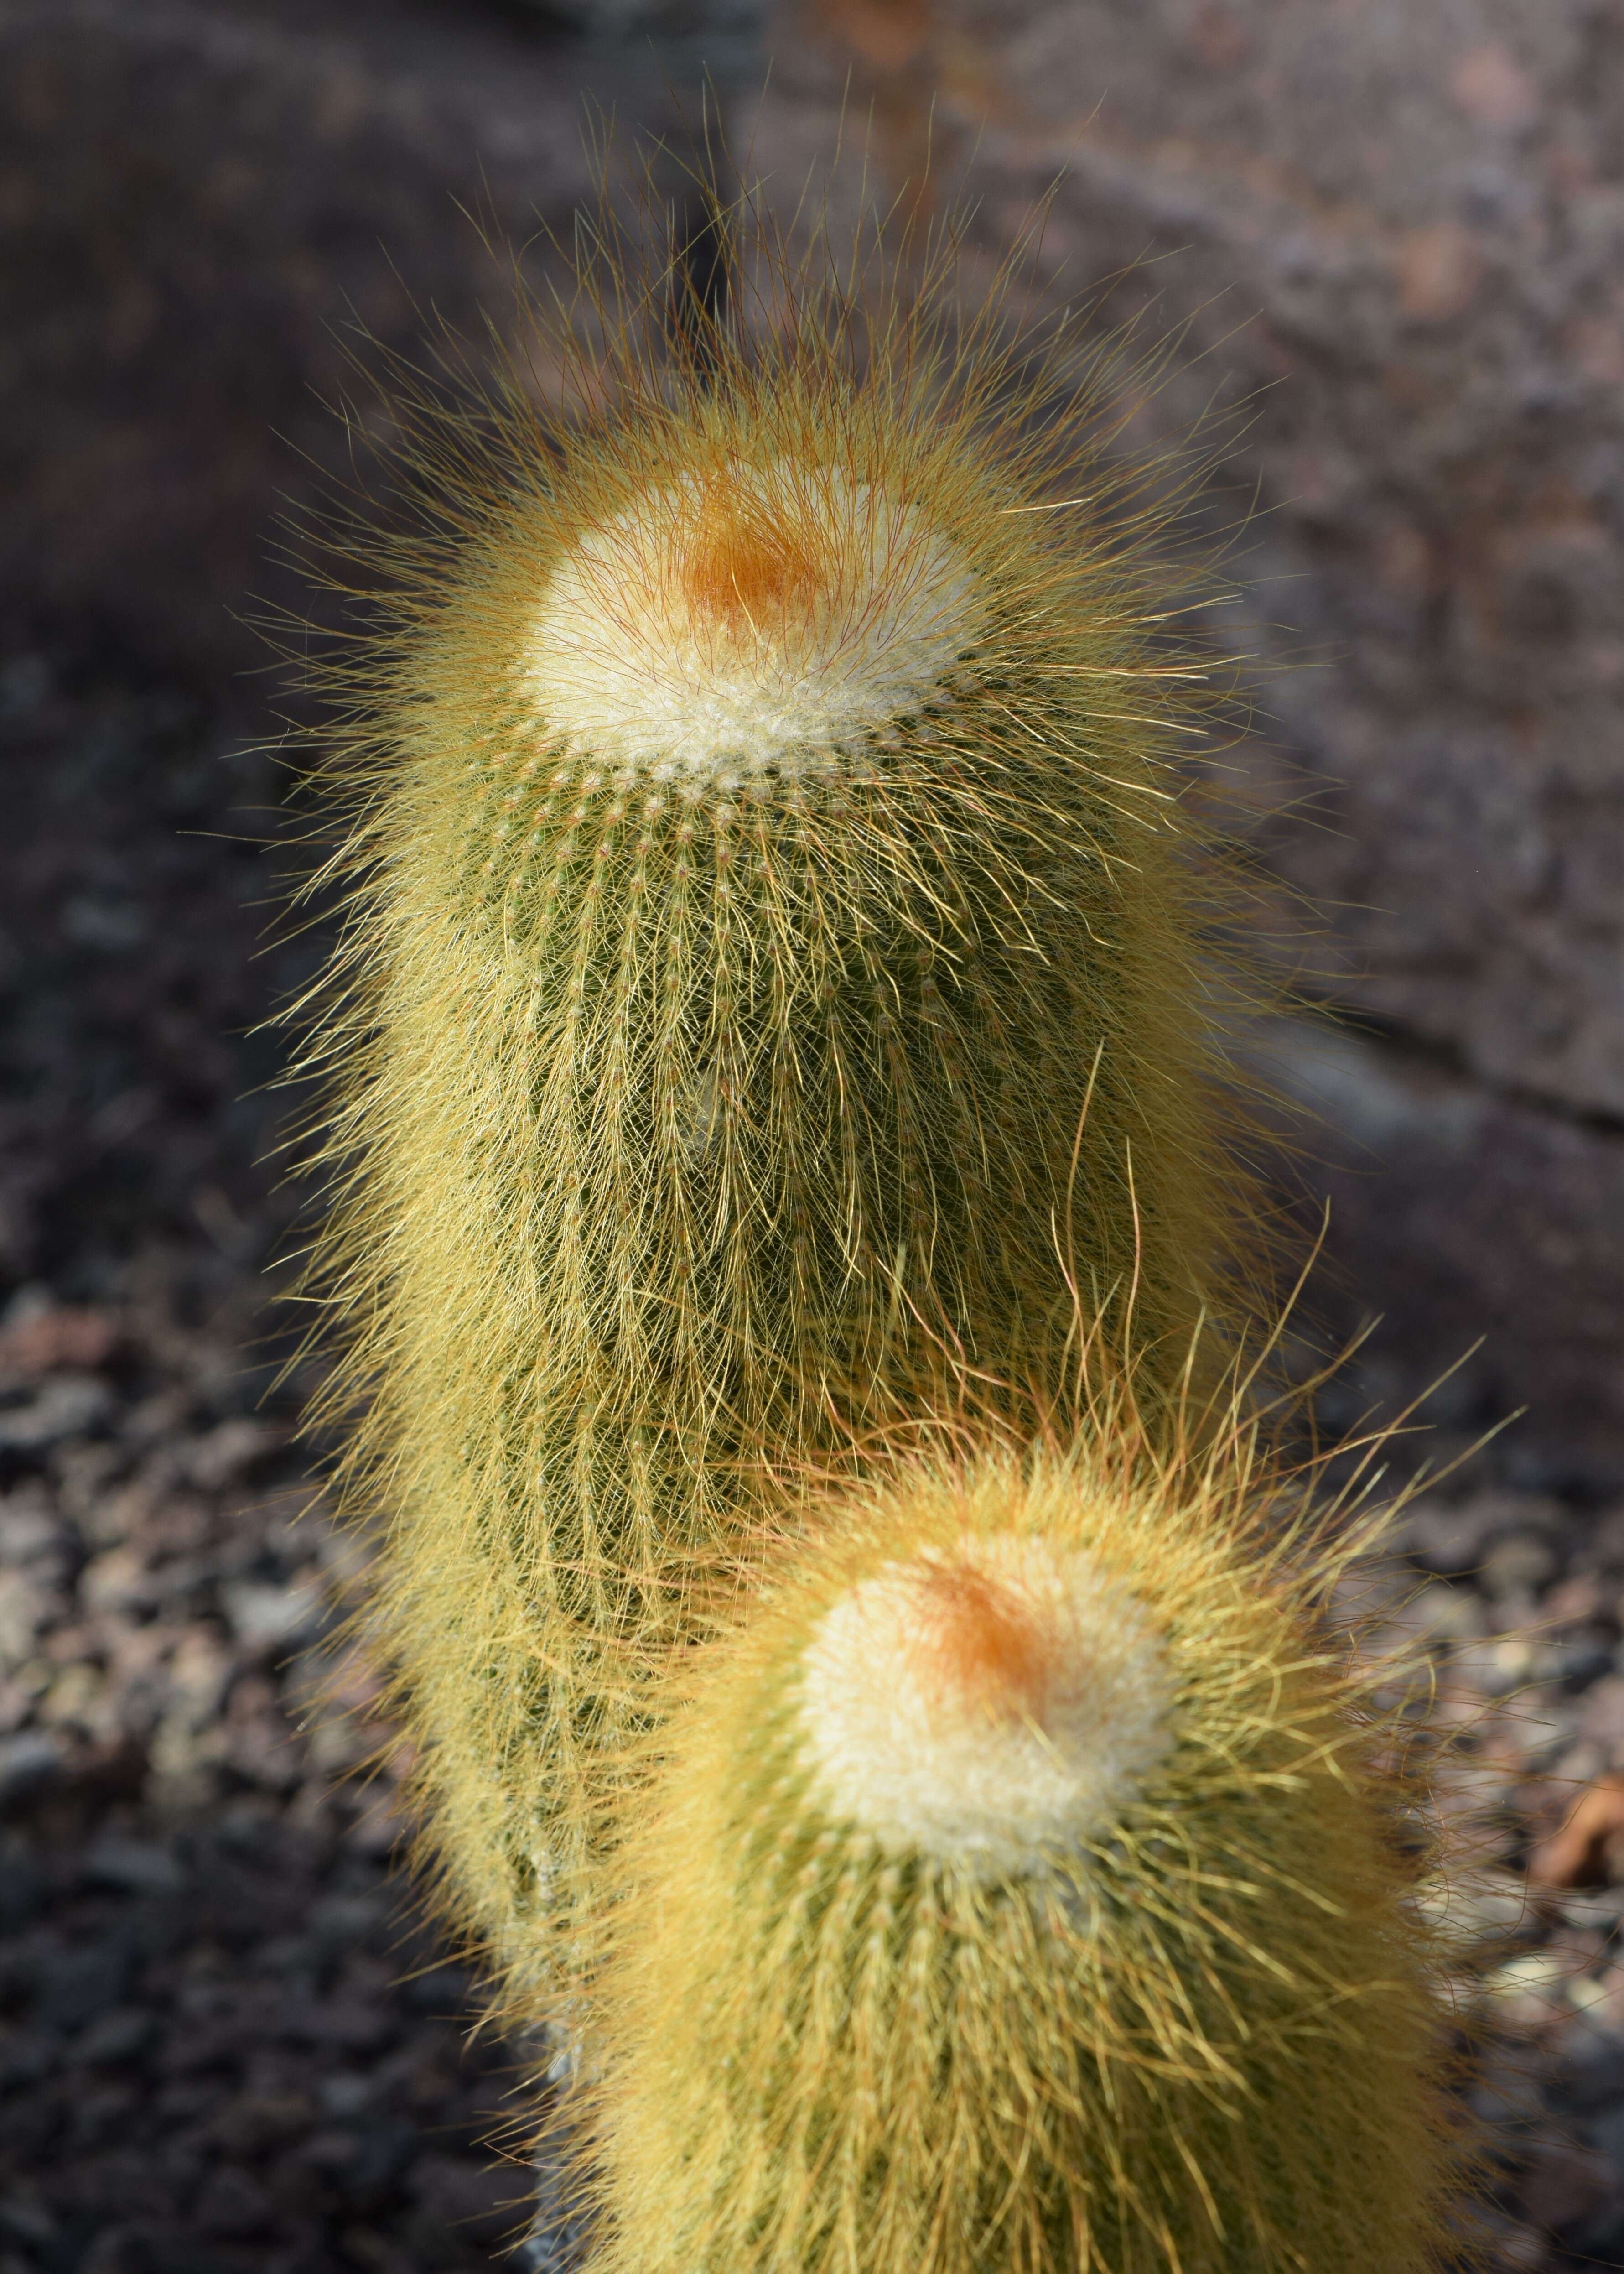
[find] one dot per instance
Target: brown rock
(1439, 268)
(45, 1337)
(1489, 85)
(1589, 1849)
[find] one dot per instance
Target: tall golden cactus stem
(777, 1013)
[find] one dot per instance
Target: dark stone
(117, 2036)
(1568, 2192)
(384, 2147)
(133, 1867)
(1591, 2073)
(30, 1763)
(353, 2024)
(254, 2123)
(183, 2253)
(233, 2203)
(1595, 2235)
(73, 1985)
(23, 1885)
(25, 2056)
(441, 1991)
(29, 2223)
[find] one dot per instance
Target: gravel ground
(227, 2040)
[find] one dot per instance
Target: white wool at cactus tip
(766, 621)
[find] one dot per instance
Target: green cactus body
(779, 1014)
(1017, 1893)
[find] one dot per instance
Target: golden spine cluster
(779, 1008)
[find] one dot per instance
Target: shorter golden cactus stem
(1018, 1893)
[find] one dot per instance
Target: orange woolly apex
(981, 1646)
(756, 565)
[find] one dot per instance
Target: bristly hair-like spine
(1028, 1887)
(777, 1009)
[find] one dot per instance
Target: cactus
(1021, 1891)
(778, 1009)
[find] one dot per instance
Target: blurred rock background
(229, 2042)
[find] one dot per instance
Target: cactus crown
(987, 1706)
(745, 622)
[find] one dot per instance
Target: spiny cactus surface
(1020, 1892)
(777, 1009)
